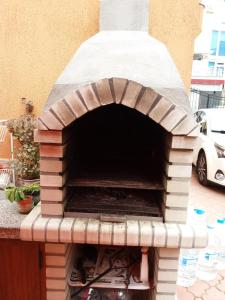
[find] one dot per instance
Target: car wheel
(202, 168)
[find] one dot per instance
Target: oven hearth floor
(123, 203)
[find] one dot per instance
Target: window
(219, 69)
(218, 43)
(214, 40)
(222, 44)
(211, 65)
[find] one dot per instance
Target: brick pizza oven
(116, 141)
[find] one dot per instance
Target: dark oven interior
(115, 162)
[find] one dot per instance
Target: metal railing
(199, 99)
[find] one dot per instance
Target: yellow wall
(177, 23)
(38, 38)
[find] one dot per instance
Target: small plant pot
(25, 206)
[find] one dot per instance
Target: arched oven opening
(115, 165)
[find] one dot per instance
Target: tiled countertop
(10, 219)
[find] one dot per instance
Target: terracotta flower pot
(25, 206)
(22, 182)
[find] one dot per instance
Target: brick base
(164, 262)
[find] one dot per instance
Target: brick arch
(119, 91)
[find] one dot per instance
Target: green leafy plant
(27, 156)
(14, 193)
(31, 189)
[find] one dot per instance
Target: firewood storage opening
(115, 165)
(107, 272)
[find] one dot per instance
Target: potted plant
(23, 196)
(27, 155)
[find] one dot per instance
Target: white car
(209, 154)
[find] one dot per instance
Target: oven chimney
(124, 15)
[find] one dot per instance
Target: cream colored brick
(106, 233)
(57, 295)
(54, 151)
(187, 236)
(160, 110)
(53, 195)
(75, 103)
(183, 142)
(119, 87)
(176, 200)
(119, 234)
(201, 237)
(168, 287)
(180, 156)
(48, 136)
(173, 215)
(146, 233)
(56, 248)
(58, 260)
(26, 232)
(89, 97)
(168, 264)
(79, 231)
(159, 234)
(172, 235)
(56, 272)
(56, 284)
(52, 232)
(39, 229)
(131, 94)
(52, 165)
(92, 232)
(185, 126)
(168, 252)
(64, 114)
(51, 180)
(52, 209)
(50, 121)
(132, 233)
(146, 101)
(65, 233)
(177, 185)
(173, 118)
(182, 171)
(104, 91)
(195, 132)
(165, 275)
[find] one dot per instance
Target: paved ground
(212, 200)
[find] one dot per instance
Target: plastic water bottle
(189, 257)
(220, 228)
(207, 263)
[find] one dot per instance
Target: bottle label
(210, 256)
(187, 262)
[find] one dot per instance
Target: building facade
(208, 72)
(39, 37)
